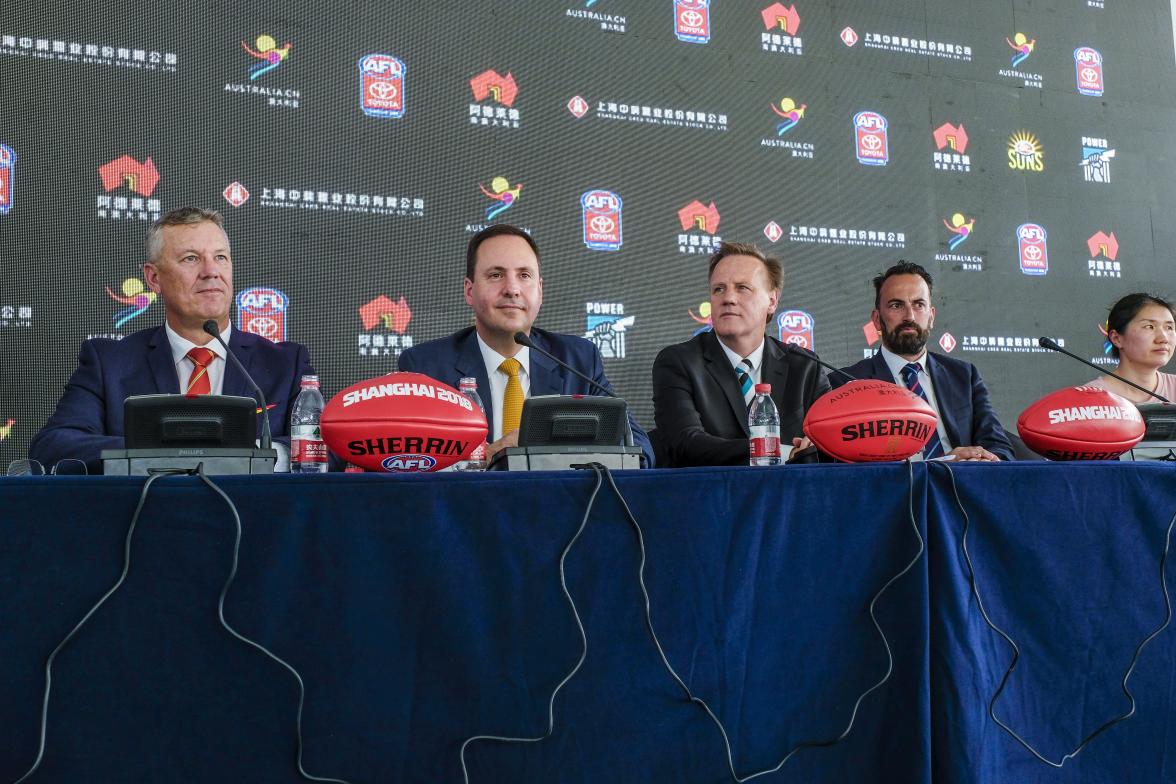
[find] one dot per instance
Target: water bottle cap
(310, 381)
(467, 382)
(763, 389)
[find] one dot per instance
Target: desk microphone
(213, 329)
(1053, 346)
(523, 339)
(800, 351)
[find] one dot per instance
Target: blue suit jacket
(964, 409)
(89, 416)
(450, 359)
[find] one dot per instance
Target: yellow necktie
(512, 401)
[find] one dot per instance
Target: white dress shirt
(492, 360)
(896, 364)
(756, 358)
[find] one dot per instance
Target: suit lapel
(470, 364)
(723, 374)
(879, 368)
(775, 371)
(241, 344)
(163, 367)
(546, 378)
(945, 397)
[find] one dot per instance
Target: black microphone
(523, 339)
(1053, 346)
(792, 348)
(213, 329)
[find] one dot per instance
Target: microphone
(1053, 346)
(792, 348)
(523, 339)
(213, 329)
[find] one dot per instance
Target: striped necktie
(512, 400)
(910, 375)
(743, 373)
(198, 383)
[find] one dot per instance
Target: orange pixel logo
(141, 178)
(777, 16)
(382, 310)
(489, 84)
(953, 137)
(1106, 244)
(695, 216)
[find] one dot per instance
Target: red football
(402, 422)
(1081, 423)
(870, 421)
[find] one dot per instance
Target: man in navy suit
(903, 315)
(505, 290)
(189, 265)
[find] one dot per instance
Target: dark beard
(905, 343)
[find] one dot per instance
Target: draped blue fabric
(422, 610)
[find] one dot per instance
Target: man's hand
(974, 454)
(510, 439)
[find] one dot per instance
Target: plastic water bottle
(764, 423)
(477, 461)
(308, 451)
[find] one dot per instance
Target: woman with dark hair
(1141, 329)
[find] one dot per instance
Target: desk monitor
(162, 421)
(574, 420)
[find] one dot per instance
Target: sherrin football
(870, 421)
(402, 422)
(1081, 423)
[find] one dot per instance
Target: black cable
(599, 469)
(117, 584)
(220, 612)
(220, 609)
(583, 652)
(1017, 651)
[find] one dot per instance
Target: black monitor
(574, 420)
(163, 421)
(1160, 420)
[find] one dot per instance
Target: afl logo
(1031, 245)
(796, 327)
(602, 220)
(873, 147)
(408, 463)
(262, 311)
(692, 21)
(381, 86)
(1088, 64)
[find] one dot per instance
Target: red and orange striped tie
(198, 383)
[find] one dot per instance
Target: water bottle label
(307, 445)
(765, 443)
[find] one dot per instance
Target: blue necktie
(743, 373)
(910, 375)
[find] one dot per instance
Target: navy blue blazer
(452, 358)
(89, 416)
(967, 415)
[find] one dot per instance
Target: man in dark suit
(699, 402)
(189, 264)
(903, 315)
(505, 290)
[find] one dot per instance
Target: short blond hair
(181, 216)
(772, 266)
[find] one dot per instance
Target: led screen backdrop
(1020, 150)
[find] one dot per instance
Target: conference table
(422, 610)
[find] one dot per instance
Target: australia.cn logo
(381, 86)
(602, 220)
(696, 216)
(1088, 65)
(409, 462)
(692, 21)
(951, 137)
(796, 327)
(872, 144)
(503, 194)
(1031, 247)
(961, 227)
(1025, 152)
(235, 194)
(790, 113)
(262, 311)
(136, 298)
(140, 178)
(1022, 47)
(382, 311)
(500, 89)
(778, 17)
(7, 170)
(266, 50)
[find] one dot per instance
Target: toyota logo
(382, 90)
(602, 224)
(691, 18)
